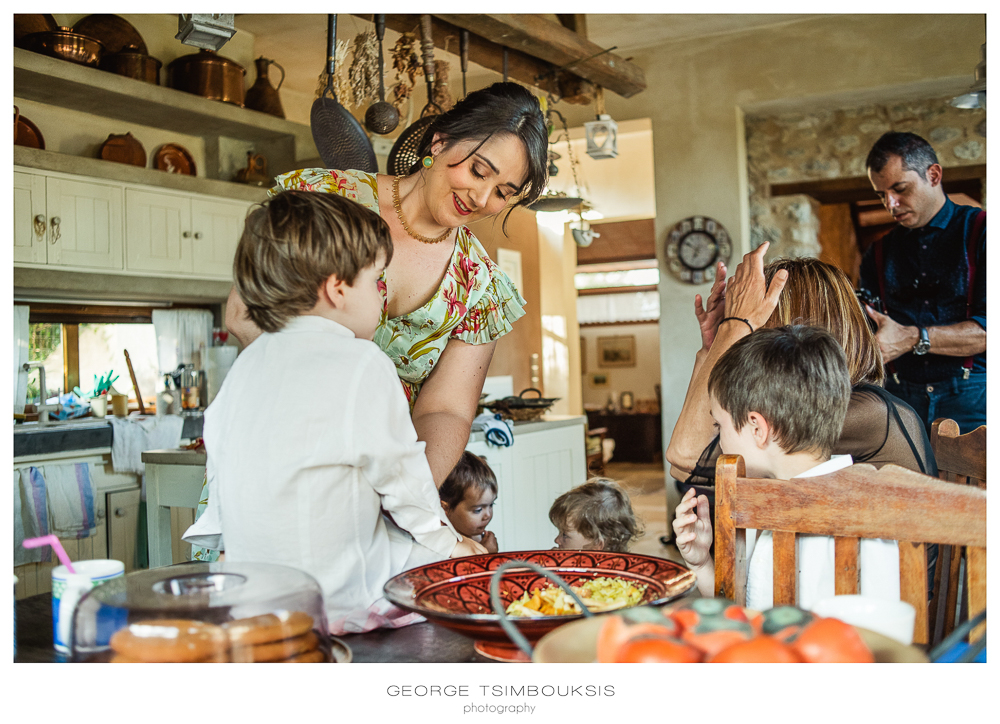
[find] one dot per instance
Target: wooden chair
(595, 460)
(850, 504)
(960, 459)
(174, 479)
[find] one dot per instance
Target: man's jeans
(961, 400)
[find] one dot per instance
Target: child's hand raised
(467, 547)
(693, 529)
(489, 541)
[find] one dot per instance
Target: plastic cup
(894, 619)
(99, 406)
(68, 588)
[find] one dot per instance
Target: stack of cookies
(285, 636)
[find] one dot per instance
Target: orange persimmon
(830, 641)
(656, 649)
(761, 649)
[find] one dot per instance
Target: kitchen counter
(84, 434)
(422, 642)
(548, 422)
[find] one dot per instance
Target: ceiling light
(975, 97)
(205, 30)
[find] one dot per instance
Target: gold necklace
(406, 227)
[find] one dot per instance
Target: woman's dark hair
(502, 108)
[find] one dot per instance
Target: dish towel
(497, 431)
(31, 517)
(134, 435)
(71, 498)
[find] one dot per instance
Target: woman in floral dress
(446, 302)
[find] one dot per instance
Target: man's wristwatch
(923, 346)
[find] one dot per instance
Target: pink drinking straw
(50, 540)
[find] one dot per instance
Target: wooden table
(421, 642)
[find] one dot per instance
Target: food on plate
(599, 594)
(785, 622)
(617, 629)
(761, 649)
(170, 640)
(656, 649)
(699, 610)
(831, 641)
(268, 627)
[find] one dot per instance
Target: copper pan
(132, 63)
(65, 44)
(208, 75)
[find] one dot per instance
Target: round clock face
(694, 246)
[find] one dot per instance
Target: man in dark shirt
(932, 326)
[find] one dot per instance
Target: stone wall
(833, 144)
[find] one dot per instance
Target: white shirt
(878, 561)
(308, 441)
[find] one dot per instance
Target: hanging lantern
(602, 134)
(205, 30)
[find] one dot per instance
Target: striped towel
(31, 517)
(71, 500)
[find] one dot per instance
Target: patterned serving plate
(455, 593)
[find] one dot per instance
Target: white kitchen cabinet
(217, 225)
(547, 459)
(67, 222)
(175, 233)
(85, 223)
(30, 220)
(158, 229)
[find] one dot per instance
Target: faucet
(43, 409)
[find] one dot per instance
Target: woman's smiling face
(462, 188)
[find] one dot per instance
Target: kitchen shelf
(69, 85)
(125, 173)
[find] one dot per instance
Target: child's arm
(693, 536)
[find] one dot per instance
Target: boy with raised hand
(779, 398)
(310, 439)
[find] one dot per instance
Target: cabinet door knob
(186, 234)
(120, 512)
(197, 235)
(40, 224)
(56, 234)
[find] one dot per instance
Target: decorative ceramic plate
(27, 134)
(455, 593)
(123, 148)
(174, 158)
(576, 643)
(113, 31)
(342, 653)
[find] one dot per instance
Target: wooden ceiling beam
(957, 179)
(537, 46)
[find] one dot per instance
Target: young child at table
(467, 496)
(309, 439)
(779, 398)
(595, 516)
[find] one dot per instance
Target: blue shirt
(926, 285)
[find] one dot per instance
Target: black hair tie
(738, 319)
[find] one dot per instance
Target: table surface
(421, 642)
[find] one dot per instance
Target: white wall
(638, 380)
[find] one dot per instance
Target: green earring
(428, 161)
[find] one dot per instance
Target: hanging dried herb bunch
(407, 66)
(340, 85)
(442, 93)
(363, 75)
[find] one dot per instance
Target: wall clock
(694, 246)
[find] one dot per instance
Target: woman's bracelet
(738, 319)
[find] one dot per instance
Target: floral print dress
(476, 303)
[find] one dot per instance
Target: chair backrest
(961, 459)
(850, 504)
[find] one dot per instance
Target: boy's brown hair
(293, 242)
(599, 510)
(471, 471)
(796, 377)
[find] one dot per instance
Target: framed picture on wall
(616, 351)
(599, 380)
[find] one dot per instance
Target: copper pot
(208, 75)
(65, 44)
(132, 64)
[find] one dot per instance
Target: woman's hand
(748, 295)
(712, 312)
(467, 547)
(693, 529)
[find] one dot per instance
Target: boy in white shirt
(310, 439)
(779, 398)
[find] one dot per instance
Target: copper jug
(261, 96)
